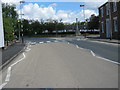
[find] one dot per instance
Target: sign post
(1, 27)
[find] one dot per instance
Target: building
(109, 14)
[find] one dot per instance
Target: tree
(93, 22)
(9, 21)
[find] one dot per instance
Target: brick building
(110, 20)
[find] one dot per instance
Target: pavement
(61, 65)
(11, 51)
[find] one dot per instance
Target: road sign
(1, 27)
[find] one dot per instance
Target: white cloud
(11, 1)
(94, 5)
(34, 11)
(53, 5)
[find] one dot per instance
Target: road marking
(7, 79)
(98, 56)
(1, 86)
(105, 43)
(41, 42)
(92, 53)
(8, 75)
(107, 60)
(33, 43)
(77, 46)
(48, 41)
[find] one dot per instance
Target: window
(107, 9)
(114, 6)
(115, 23)
(101, 12)
(102, 27)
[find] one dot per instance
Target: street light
(83, 12)
(21, 28)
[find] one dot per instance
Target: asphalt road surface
(108, 51)
(61, 65)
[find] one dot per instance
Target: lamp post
(21, 26)
(77, 32)
(83, 12)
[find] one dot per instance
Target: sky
(67, 10)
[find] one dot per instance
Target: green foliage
(9, 21)
(30, 27)
(8, 29)
(93, 22)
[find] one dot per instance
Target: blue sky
(74, 6)
(66, 10)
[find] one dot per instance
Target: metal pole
(20, 23)
(84, 12)
(77, 26)
(21, 27)
(19, 30)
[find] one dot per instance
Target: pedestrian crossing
(43, 42)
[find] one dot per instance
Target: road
(60, 65)
(108, 51)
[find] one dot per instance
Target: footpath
(11, 52)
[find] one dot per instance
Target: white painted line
(1, 86)
(105, 43)
(7, 79)
(41, 42)
(98, 56)
(8, 75)
(92, 53)
(18, 60)
(48, 41)
(33, 43)
(102, 57)
(107, 60)
(77, 46)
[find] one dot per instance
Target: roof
(103, 5)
